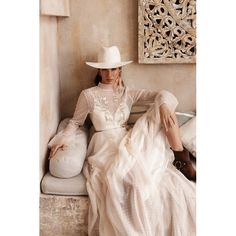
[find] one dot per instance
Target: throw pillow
(188, 135)
(69, 162)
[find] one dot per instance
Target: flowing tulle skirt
(133, 187)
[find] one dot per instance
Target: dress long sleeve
(159, 97)
(81, 111)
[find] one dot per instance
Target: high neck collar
(105, 86)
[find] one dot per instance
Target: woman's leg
(182, 160)
(173, 136)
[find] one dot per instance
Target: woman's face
(109, 76)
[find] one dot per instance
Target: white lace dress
(133, 187)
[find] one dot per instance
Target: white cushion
(188, 135)
(70, 186)
(69, 162)
(184, 117)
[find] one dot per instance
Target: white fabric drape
(133, 187)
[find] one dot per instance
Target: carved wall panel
(167, 31)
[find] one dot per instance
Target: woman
(133, 187)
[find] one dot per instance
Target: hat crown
(109, 55)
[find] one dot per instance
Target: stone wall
(49, 85)
(50, 10)
(63, 215)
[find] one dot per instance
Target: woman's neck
(105, 86)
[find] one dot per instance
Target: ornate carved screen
(167, 31)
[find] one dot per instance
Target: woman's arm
(63, 138)
(81, 111)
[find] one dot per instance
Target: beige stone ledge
(55, 7)
(63, 215)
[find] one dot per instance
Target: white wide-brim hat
(108, 57)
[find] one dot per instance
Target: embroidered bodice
(109, 109)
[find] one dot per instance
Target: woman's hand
(54, 149)
(167, 118)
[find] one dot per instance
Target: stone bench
(63, 215)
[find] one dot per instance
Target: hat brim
(105, 65)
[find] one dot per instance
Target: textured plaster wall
(55, 7)
(49, 85)
(106, 22)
